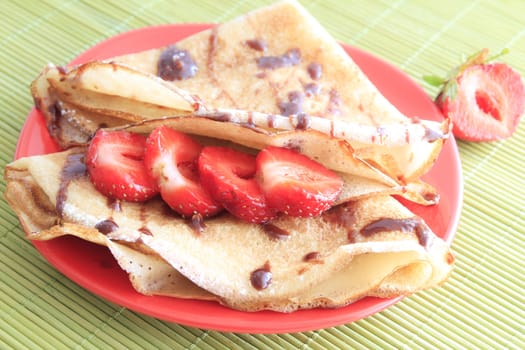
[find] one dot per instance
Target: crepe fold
(367, 246)
(274, 70)
(271, 77)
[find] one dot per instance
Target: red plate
(93, 267)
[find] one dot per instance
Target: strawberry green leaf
(434, 80)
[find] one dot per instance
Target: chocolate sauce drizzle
(74, 168)
(114, 204)
(303, 121)
(406, 225)
(176, 64)
(213, 42)
(271, 121)
(344, 215)
(55, 110)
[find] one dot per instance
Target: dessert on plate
(270, 90)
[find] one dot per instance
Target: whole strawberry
(484, 101)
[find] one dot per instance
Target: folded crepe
(277, 61)
(273, 76)
(368, 246)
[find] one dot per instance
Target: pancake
(276, 61)
(355, 249)
(271, 77)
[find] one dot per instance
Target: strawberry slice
(229, 176)
(114, 161)
(484, 101)
(295, 184)
(171, 159)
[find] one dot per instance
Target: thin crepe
(322, 90)
(326, 261)
(322, 98)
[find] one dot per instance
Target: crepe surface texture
(277, 61)
(271, 77)
(328, 261)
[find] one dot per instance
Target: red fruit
(171, 159)
(228, 175)
(114, 161)
(484, 101)
(295, 184)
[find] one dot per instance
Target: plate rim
(246, 324)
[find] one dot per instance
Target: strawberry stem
(503, 52)
(449, 83)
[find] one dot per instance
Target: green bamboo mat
(481, 306)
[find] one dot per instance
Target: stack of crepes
(271, 77)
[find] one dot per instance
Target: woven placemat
(481, 306)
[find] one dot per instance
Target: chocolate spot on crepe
(114, 204)
(334, 102)
(250, 122)
(212, 47)
(53, 125)
(302, 270)
(275, 232)
(431, 197)
(146, 231)
(261, 278)
(62, 70)
(311, 89)
(294, 105)
(313, 257)
(315, 70)
(143, 216)
(74, 168)
(176, 64)
(332, 128)
(303, 121)
(271, 121)
(256, 44)
(197, 223)
(106, 226)
(343, 215)
(432, 135)
(289, 58)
